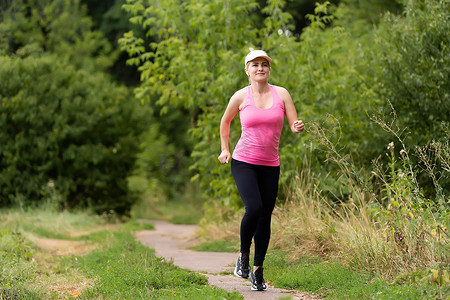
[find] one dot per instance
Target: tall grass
(355, 235)
(386, 226)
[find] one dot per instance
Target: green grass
(134, 225)
(49, 223)
(119, 268)
(16, 267)
(122, 268)
(175, 211)
(217, 246)
(335, 281)
(129, 270)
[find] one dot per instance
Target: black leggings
(258, 188)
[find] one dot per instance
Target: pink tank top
(261, 130)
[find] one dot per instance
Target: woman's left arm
(291, 114)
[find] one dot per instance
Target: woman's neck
(260, 87)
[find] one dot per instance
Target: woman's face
(258, 69)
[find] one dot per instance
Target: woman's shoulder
(282, 92)
(240, 94)
(238, 98)
(280, 89)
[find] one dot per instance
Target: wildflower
(390, 146)
(51, 184)
(402, 152)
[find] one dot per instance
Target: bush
(67, 134)
(414, 57)
(59, 27)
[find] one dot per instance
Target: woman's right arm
(231, 111)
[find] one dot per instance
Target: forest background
(115, 107)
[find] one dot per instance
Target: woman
(255, 162)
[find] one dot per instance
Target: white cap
(255, 54)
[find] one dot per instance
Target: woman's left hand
(297, 126)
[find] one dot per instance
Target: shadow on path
(171, 242)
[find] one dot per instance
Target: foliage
(63, 135)
(184, 206)
(109, 18)
(371, 11)
(315, 70)
(34, 27)
(414, 57)
(185, 46)
(161, 169)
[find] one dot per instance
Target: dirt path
(171, 242)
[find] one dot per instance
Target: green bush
(30, 27)
(67, 135)
(414, 60)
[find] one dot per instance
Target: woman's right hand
(224, 157)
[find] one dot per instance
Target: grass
(117, 266)
(217, 246)
(17, 268)
(183, 208)
(333, 280)
(129, 270)
(174, 211)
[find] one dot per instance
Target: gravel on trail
(171, 241)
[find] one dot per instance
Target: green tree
(67, 135)
(109, 18)
(33, 27)
(414, 58)
(192, 63)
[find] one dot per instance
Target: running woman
(255, 163)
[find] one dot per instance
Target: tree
(67, 134)
(415, 67)
(34, 27)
